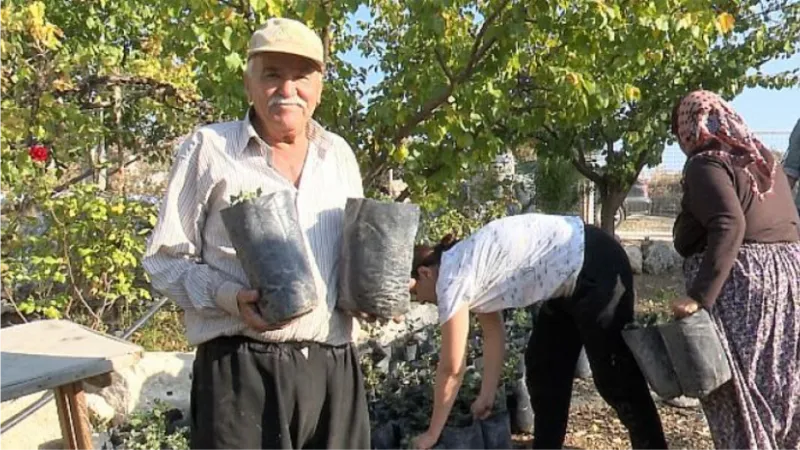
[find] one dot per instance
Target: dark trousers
(249, 394)
(593, 317)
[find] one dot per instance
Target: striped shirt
(190, 258)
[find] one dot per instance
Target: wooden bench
(61, 355)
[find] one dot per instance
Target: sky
(770, 113)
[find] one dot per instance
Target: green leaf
(234, 61)
(226, 38)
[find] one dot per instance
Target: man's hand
(684, 307)
(247, 300)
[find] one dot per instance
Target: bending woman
(584, 276)
(738, 232)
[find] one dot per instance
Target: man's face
(284, 89)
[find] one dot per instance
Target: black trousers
(593, 317)
(249, 394)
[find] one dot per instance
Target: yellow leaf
(119, 208)
(5, 15)
(632, 93)
(401, 153)
(228, 15)
(36, 12)
(275, 8)
(725, 22)
(573, 79)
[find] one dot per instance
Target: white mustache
(292, 101)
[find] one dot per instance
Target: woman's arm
(450, 370)
(716, 205)
(494, 349)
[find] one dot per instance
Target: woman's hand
(425, 441)
(684, 307)
(482, 406)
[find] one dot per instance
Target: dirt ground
(594, 425)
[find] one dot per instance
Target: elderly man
(299, 386)
(791, 162)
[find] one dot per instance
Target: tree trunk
(117, 182)
(611, 198)
(98, 159)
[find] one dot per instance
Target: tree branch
(445, 69)
(478, 51)
(579, 161)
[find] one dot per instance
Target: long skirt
(757, 315)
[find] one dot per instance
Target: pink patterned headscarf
(703, 117)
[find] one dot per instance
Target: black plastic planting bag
(387, 436)
(651, 355)
(519, 407)
(469, 437)
(697, 355)
(582, 368)
(681, 357)
(377, 253)
(496, 431)
(269, 243)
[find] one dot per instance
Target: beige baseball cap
(287, 36)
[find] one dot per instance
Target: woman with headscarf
(738, 232)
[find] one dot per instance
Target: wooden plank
(49, 353)
(64, 417)
(80, 417)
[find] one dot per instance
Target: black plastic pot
(651, 355)
(387, 436)
(469, 437)
(518, 404)
(377, 252)
(496, 431)
(681, 357)
(269, 243)
(408, 352)
(696, 353)
(582, 369)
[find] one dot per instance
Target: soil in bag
(377, 253)
(269, 243)
(650, 353)
(496, 431)
(697, 355)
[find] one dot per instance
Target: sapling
(245, 196)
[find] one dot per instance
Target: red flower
(38, 152)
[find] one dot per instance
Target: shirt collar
(317, 135)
